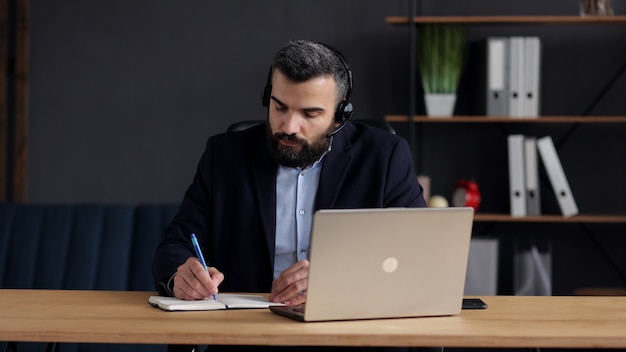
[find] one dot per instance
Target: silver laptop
(386, 263)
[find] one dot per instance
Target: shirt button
(303, 250)
(301, 212)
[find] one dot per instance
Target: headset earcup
(267, 91)
(344, 112)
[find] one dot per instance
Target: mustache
(288, 137)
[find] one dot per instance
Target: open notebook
(224, 301)
(386, 263)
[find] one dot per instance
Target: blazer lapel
(334, 171)
(264, 177)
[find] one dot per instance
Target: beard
(308, 154)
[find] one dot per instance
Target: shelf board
(480, 217)
(402, 20)
(505, 119)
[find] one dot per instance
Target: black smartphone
(473, 303)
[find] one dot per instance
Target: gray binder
(531, 166)
(557, 177)
(489, 61)
(491, 67)
(497, 54)
(517, 185)
(532, 76)
(516, 76)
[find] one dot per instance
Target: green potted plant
(440, 60)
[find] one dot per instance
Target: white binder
(497, 76)
(553, 166)
(531, 166)
(532, 274)
(516, 76)
(482, 267)
(517, 183)
(532, 76)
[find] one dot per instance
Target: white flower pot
(440, 105)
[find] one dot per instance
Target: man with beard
(253, 196)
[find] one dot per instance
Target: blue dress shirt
(295, 199)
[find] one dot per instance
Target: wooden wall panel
(3, 98)
(15, 63)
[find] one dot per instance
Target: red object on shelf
(466, 194)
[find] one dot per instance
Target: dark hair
(302, 60)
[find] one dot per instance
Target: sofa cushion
(81, 246)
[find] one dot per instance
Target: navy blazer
(231, 203)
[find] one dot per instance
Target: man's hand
(192, 282)
(290, 287)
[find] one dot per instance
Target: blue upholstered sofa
(81, 246)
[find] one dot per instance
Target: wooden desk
(126, 317)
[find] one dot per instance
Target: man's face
(300, 117)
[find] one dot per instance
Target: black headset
(344, 110)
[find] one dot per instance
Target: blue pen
(196, 246)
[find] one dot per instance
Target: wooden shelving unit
(506, 119)
(484, 217)
(533, 20)
(516, 20)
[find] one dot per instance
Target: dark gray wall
(125, 93)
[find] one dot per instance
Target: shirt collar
(321, 158)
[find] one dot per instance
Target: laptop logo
(390, 265)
